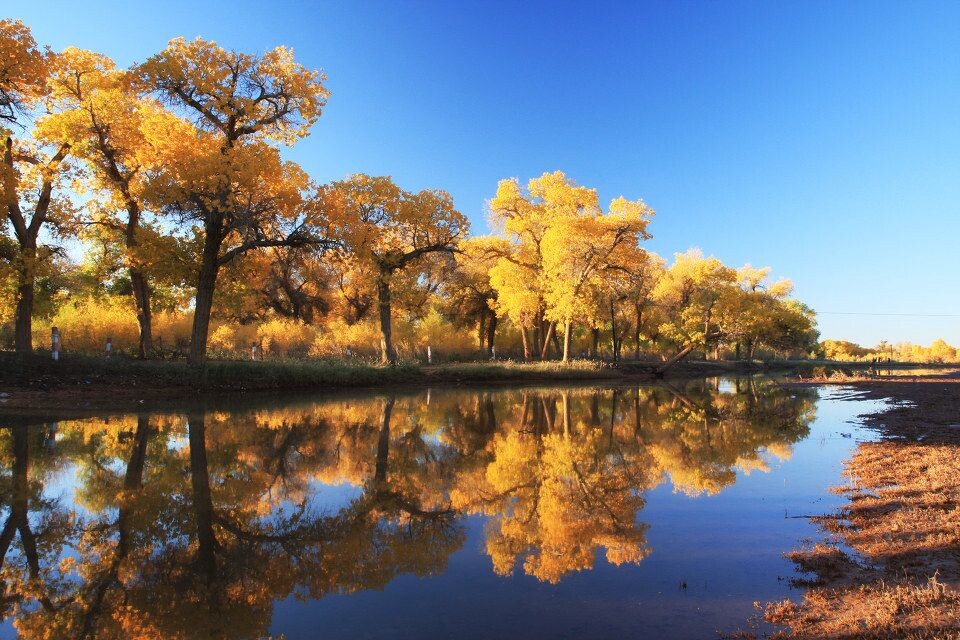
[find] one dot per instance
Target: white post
(55, 343)
(429, 355)
(109, 346)
(494, 350)
(253, 351)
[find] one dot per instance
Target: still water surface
(582, 512)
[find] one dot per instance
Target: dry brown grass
(902, 521)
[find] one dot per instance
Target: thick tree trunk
(206, 284)
(23, 333)
(141, 297)
(567, 335)
(526, 343)
(387, 355)
(491, 333)
(481, 330)
(595, 346)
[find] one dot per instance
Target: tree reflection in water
(183, 526)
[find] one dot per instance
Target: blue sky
(820, 138)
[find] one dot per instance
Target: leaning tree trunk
(546, 341)
(675, 359)
(23, 332)
(387, 354)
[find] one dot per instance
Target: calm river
(539, 512)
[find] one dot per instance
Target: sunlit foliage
(170, 177)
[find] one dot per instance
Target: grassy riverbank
(39, 372)
(29, 381)
(888, 565)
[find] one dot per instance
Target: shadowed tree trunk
(26, 274)
(613, 331)
(383, 444)
(206, 284)
(18, 519)
(526, 342)
(26, 231)
(491, 333)
(132, 481)
(138, 282)
(202, 498)
(387, 354)
(546, 341)
(636, 332)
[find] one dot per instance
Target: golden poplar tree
(227, 176)
(381, 225)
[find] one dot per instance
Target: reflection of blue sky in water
(726, 547)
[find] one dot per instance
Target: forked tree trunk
(555, 338)
(26, 231)
(546, 341)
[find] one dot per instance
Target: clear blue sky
(820, 138)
